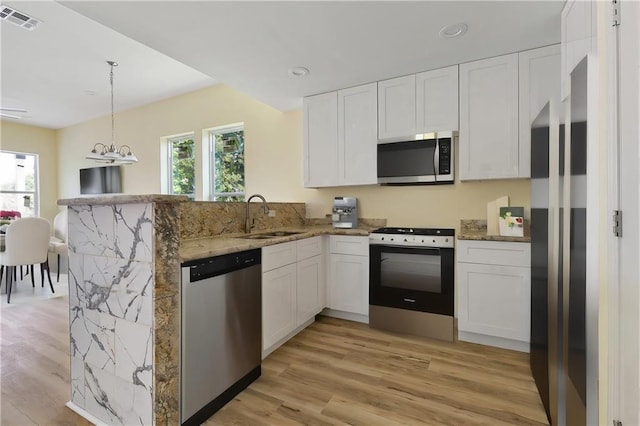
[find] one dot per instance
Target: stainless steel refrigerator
(558, 351)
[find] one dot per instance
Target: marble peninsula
(125, 253)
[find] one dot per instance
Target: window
(226, 145)
(181, 161)
(18, 184)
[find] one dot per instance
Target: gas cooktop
(413, 237)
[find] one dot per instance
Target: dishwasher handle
(214, 266)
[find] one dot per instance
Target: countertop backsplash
(202, 219)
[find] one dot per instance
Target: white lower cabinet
(293, 288)
(279, 309)
(348, 284)
(494, 293)
(310, 288)
(349, 288)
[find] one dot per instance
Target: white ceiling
(247, 45)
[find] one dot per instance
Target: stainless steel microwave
(424, 161)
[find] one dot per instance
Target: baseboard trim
(500, 342)
(345, 315)
(84, 414)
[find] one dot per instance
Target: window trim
(166, 166)
(36, 181)
(211, 133)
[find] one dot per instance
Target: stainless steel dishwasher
(221, 331)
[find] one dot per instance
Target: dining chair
(58, 242)
(26, 243)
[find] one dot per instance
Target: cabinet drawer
(278, 255)
(309, 247)
(346, 244)
(494, 253)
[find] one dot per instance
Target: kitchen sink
(267, 235)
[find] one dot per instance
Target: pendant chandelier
(111, 153)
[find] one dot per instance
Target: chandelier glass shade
(112, 153)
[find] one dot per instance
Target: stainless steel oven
(411, 287)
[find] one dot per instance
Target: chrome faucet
(247, 219)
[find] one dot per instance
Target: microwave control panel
(444, 146)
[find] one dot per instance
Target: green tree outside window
(183, 162)
(228, 166)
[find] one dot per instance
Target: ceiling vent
(18, 18)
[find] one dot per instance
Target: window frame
(168, 160)
(212, 132)
(36, 181)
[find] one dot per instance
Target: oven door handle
(410, 300)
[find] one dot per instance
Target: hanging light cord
(112, 153)
(113, 132)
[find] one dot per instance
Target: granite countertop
(477, 230)
(201, 248)
(123, 199)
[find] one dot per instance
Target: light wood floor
(340, 372)
(34, 364)
(334, 372)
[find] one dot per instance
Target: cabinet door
(397, 108)
(494, 300)
(310, 286)
(278, 304)
(576, 31)
(320, 123)
(489, 118)
(539, 80)
(357, 135)
(437, 100)
(349, 284)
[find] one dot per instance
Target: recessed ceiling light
(453, 30)
(298, 71)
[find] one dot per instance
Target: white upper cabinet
(539, 72)
(320, 125)
(576, 35)
(340, 137)
(357, 135)
(499, 99)
(397, 108)
(489, 118)
(437, 100)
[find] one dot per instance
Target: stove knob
(446, 240)
(391, 239)
(434, 241)
(422, 241)
(382, 239)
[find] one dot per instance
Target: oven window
(411, 271)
